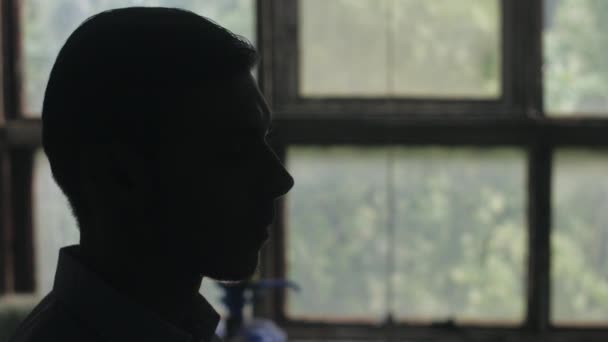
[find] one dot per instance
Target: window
(47, 24)
(576, 74)
(39, 220)
(415, 233)
(439, 195)
(397, 48)
(449, 159)
(370, 57)
(54, 224)
(579, 237)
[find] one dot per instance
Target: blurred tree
(460, 229)
(47, 24)
(459, 244)
(400, 48)
(580, 237)
(576, 73)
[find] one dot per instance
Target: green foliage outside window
(459, 224)
(575, 50)
(47, 24)
(418, 232)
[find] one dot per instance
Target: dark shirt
(82, 307)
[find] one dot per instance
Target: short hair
(118, 78)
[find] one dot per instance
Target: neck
(156, 282)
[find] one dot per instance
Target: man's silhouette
(156, 132)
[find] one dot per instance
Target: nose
(286, 183)
(279, 180)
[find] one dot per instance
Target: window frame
(284, 39)
(517, 120)
(18, 140)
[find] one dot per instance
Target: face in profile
(220, 180)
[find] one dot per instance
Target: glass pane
(400, 48)
(579, 273)
(337, 209)
(54, 224)
(56, 227)
(214, 294)
(47, 24)
(422, 233)
(575, 71)
(460, 234)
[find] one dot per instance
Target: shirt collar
(113, 315)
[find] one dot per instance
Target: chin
(233, 268)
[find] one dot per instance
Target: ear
(106, 175)
(124, 168)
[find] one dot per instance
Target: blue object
(236, 296)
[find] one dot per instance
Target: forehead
(249, 104)
(235, 103)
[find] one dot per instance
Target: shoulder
(50, 320)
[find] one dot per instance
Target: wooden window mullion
(6, 259)
(11, 56)
(16, 164)
(21, 206)
(539, 232)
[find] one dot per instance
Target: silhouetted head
(155, 131)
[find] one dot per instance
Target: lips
(266, 215)
(262, 232)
